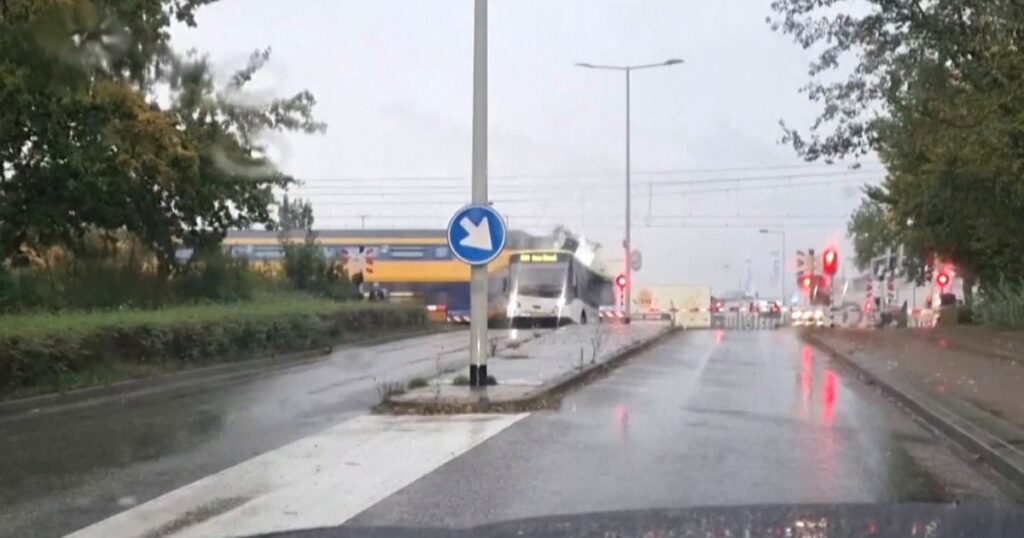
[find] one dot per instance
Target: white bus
(553, 287)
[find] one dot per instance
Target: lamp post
(627, 244)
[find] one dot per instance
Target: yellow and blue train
(410, 265)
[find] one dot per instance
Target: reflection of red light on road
(943, 343)
(622, 419)
(718, 336)
(829, 398)
(806, 359)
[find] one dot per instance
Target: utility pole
(478, 273)
(362, 221)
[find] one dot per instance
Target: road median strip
(996, 442)
(515, 395)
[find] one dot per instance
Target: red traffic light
(830, 261)
(942, 279)
(806, 281)
(620, 281)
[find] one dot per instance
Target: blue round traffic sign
(476, 234)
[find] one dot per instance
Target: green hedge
(1001, 306)
(44, 352)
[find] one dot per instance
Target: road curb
(207, 374)
(999, 454)
(543, 397)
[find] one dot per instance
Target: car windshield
(511, 267)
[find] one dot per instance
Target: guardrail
(745, 321)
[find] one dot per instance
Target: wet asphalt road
(64, 468)
(707, 418)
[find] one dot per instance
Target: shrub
(460, 380)
(1000, 306)
(215, 276)
(307, 269)
(98, 271)
(102, 284)
(37, 350)
(417, 383)
(118, 272)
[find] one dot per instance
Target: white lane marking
(319, 481)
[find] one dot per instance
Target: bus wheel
(583, 317)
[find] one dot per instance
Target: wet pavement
(65, 467)
(534, 367)
(705, 418)
(938, 362)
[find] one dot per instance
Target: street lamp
(785, 300)
(627, 244)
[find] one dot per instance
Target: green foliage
(306, 267)
(872, 233)
(1001, 306)
(41, 349)
(896, 48)
(308, 270)
(937, 89)
(85, 145)
(417, 383)
(114, 272)
(295, 214)
(215, 276)
(460, 380)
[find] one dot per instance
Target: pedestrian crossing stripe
(319, 481)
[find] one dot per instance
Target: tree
(895, 46)
(935, 88)
(871, 232)
(295, 214)
(85, 144)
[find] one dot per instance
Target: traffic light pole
(478, 273)
(628, 244)
(785, 300)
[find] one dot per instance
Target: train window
(408, 253)
(268, 252)
(441, 253)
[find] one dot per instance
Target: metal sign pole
(478, 273)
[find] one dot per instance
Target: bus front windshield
(540, 280)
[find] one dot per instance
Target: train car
(411, 266)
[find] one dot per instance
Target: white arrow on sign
(477, 235)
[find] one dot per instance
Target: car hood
(790, 521)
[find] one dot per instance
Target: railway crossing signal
(830, 261)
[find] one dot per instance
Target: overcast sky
(393, 79)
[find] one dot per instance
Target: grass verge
(45, 352)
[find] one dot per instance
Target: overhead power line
(603, 173)
(745, 179)
(382, 198)
(588, 185)
(851, 167)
